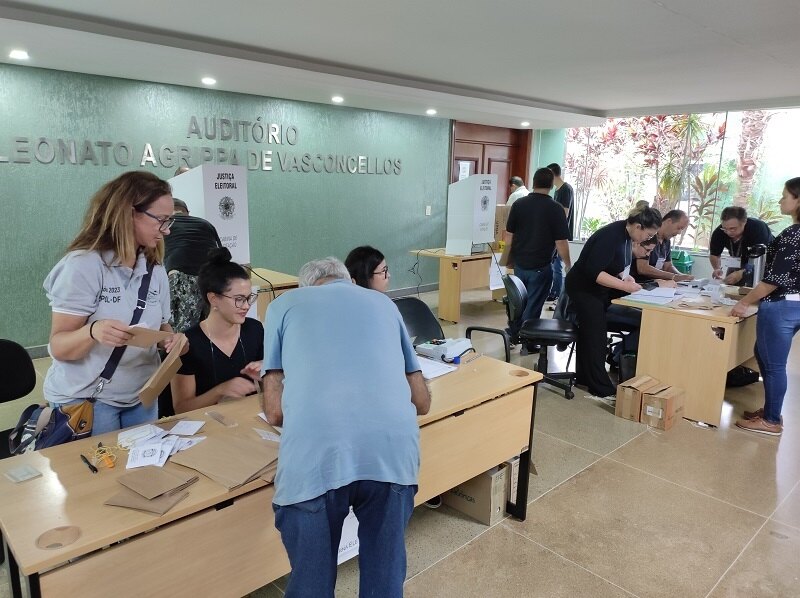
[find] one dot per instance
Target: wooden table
(270, 284)
(694, 349)
(224, 543)
(457, 273)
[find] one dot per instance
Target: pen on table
(91, 467)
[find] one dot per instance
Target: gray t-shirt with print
(98, 287)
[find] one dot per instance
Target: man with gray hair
(517, 190)
(341, 377)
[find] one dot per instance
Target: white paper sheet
(128, 438)
(657, 296)
(433, 369)
(496, 273)
(187, 427)
(267, 435)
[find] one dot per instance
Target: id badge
(660, 263)
(625, 273)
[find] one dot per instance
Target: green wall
(294, 216)
(549, 145)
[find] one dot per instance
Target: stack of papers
(231, 461)
(152, 490)
(150, 445)
(433, 369)
(657, 296)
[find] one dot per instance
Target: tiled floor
(617, 510)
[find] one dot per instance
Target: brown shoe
(759, 413)
(761, 426)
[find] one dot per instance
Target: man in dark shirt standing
(564, 195)
(184, 254)
(737, 233)
(537, 228)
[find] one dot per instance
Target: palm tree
(754, 124)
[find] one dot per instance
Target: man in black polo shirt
(737, 233)
(537, 228)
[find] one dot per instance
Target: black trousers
(590, 364)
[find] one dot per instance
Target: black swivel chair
(423, 325)
(559, 331)
(17, 379)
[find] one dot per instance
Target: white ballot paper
(187, 427)
(433, 369)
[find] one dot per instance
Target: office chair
(559, 331)
(423, 325)
(17, 379)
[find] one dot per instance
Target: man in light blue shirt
(341, 377)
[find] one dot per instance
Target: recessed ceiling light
(430, 112)
(337, 99)
(18, 55)
(208, 81)
(525, 123)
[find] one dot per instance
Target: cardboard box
(512, 475)
(629, 396)
(500, 218)
(483, 497)
(661, 408)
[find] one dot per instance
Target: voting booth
(470, 213)
(218, 193)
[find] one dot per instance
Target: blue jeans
(558, 277)
(777, 323)
(311, 531)
(537, 283)
(108, 418)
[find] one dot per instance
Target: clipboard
(162, 376)
(145, 337)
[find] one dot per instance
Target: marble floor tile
(584, 422)
(768, 568)
(789, 511)
(500, 564)
(751, 471)
(649, 536)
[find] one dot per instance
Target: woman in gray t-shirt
(93, 291)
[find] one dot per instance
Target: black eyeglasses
(164, 223)
(384, 271)
(241, 300)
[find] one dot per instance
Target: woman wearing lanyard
(778, 316)
(603, 266)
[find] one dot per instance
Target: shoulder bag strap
(116, 354)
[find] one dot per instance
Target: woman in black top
(604, 266)
(778, 316)
(225, 349)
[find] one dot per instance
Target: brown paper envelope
(162, 376)
(232, 460)
(130, 500)
(146, 337)
(152, 481)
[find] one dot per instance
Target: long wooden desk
(270, 284)
(694, 349)
(457, 273)
(224, 543)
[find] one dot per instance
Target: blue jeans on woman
(108, 418)
(311, 532)
(776, 324)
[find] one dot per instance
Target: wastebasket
(682, 261)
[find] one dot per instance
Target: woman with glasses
(225, 349)
(94, 291)
(602, 269)
(368, 269)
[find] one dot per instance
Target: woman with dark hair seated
(368, 269)
(603, 268)
(226, 349)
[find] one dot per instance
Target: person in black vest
(658, 263)
(602, 268)
(737, 233)
(537, 228)
(185, 251)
